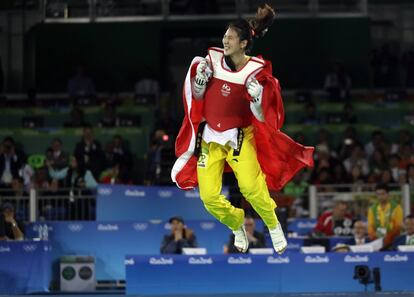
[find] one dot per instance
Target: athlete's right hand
(203, 72)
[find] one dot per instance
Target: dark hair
(8, 139)
(410, 216)
(252, 28)
(382, 186)
(80, 171)
(176, 218)
(57, 139)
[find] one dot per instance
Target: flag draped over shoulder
(279, 156)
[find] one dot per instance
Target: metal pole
(33, 206)
(165, 9)
(405, 189)
(313, 6)
(364, 6)
(92, 10)
(313, 202)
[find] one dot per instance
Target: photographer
(154, 157)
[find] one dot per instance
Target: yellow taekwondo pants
(251, 180)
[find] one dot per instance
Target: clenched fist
(255, 90)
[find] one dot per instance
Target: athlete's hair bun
(264, 18)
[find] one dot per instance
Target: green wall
(300, 49)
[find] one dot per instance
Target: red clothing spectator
(336, 222)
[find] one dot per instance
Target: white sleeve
(257, 111)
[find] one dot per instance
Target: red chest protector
(226, 100)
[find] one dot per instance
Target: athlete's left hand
(255, 90)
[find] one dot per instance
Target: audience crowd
(349, 161)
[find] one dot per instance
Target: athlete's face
(232, 44)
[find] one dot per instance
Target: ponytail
(256, 27)
(262, 21)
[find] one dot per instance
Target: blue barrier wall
(110, 241)
(123, 203)
(25, 267)
(293, 272)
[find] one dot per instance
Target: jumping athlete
(233, 115)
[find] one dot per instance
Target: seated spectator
(348, 114)
(378, 162)
(340, 175)
(356, 179)
(377, 142)
(179, 238)
(324, 177)
(360, 234)
(324, 161)
(310, 117)
(356, 175)
(256, 238)
(356, 158)
(408, 237)
(56, 156)
(323, 138)
(336, 222)
(74, 176)
(76, 118)
(11, 162)
(10, 228)
(394, 165)
(81, 85)
(386, 177)
(385, 217)
(349, 141)
(89, 152)
(109, 118)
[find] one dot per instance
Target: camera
(362, 273)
